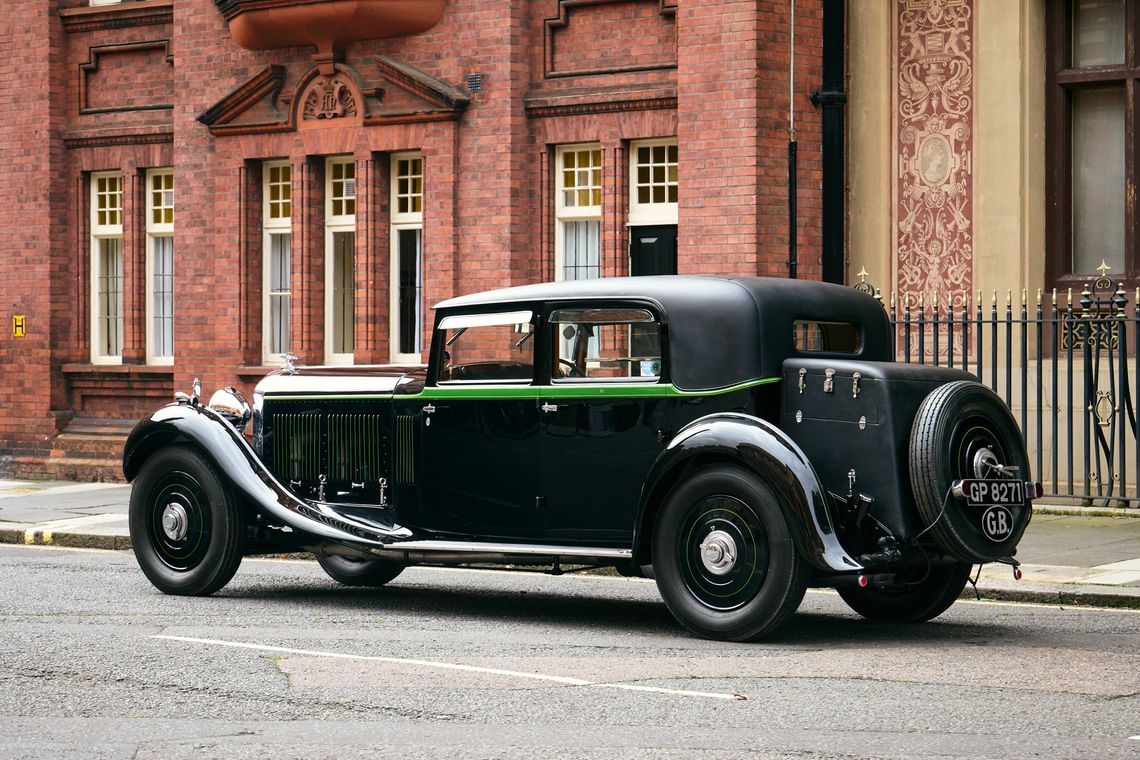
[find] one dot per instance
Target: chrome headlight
(231, 405)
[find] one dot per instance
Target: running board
(476, 551)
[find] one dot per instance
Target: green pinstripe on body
(577, 390)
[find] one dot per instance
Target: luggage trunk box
(853, 420)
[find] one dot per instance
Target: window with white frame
(106, 268)
(578, 216)
(407, 257)
(340, 259)
(578, 212)
(653, 182)
(277, 248)
(160, 266)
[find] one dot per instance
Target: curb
(1061, 596)
(1075, 511)
(64, 540)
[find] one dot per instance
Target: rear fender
(218, 441)
(764, 450)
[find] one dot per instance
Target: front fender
(239, 465)
(765, 450)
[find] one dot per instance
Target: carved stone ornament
(329, 98)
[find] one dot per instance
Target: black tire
(954, 425)
(925, 598)
(739, 600)
(199, 547)
(359, 572)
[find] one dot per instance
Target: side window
(613, 344)
(487, 348)
(827, 337)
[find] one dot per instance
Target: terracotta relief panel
(610, 36)
(933, 135)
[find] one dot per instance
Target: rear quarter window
(814, 336)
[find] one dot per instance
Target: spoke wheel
(359, 572)
(723, 556)
(914, 600)
(186, 525)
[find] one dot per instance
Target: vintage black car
(740, 439)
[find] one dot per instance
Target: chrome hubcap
(985, 463)
(174, 522)
(718, 552)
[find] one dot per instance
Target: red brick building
(178, 205)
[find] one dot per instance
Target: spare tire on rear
(959, 431)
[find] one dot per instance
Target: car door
(479, 429)
(600, 417)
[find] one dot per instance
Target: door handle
(429, 409)
(548, 407)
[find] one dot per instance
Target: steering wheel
(571, 368)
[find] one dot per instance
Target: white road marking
(452, 666)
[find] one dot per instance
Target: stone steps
(88, 450)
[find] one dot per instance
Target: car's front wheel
(186, 524)
(359, 572)
(922, 596)
(723, 556)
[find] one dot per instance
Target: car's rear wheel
(723, 556)
(922, 596)
(359, 572)
(186, 524)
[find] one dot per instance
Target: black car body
(743, 438)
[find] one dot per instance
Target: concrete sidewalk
(1071, 556)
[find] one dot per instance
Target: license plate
(984, 493)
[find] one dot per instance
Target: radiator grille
(354, 447)
(297, 446)
(335, 451)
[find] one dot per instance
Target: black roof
(722, 330)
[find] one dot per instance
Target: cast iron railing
(1065, 364)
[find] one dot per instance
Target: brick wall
(30, 200)
(733, 84)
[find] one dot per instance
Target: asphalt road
(464, 664)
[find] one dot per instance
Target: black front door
(480, 463)
(479, 429)
(653, 250)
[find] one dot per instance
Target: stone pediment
(392, 93)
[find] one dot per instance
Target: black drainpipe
(831, 98)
